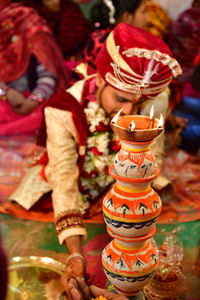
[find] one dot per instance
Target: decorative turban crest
(135, 61)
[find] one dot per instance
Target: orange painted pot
(129, 267)
(131, 240)
(134, 160)
(131, 208)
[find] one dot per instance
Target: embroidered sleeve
(62, 173)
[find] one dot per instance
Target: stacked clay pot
(131, 208)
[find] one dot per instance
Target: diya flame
(132, 125)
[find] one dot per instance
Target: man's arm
(62, 173)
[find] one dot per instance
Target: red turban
(135, 61)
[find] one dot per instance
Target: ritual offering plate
(34, 277)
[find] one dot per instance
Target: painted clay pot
(134, 160)
(129, 266)
(131, 208)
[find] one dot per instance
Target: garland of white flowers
(93, 162)
(95, 115)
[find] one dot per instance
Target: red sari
(23, 34)
(69, 26)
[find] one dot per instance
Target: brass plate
(35, 278)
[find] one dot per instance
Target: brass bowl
(141, 133)
(35, 277)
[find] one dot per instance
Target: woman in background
(184, 41)
(104, 16)
(67, 23)
(31, 68)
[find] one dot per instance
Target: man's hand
(76, 265)
(75, 268)
(78, 290)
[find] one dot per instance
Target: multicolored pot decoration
(131, 208)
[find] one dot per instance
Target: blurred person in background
(67, 22)
(104, 16)
(184, 41)
(31, 68)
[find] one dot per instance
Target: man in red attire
(134, 67)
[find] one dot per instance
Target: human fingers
(73, 293)
(75, 268)
(83, 287)
(65, 279)
(73, 282)
(68, 290)
(76, 294)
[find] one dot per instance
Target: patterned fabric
(45, 84)
(159, 22)
(70, 219)
(93, 47)
(68, 25)
(24, 33)
(184, 40)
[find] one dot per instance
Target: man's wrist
(76, 255)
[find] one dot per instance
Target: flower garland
(101, 148)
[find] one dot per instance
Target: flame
(152, 112)
(115, 118)
(161, 121)
(132, 126)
